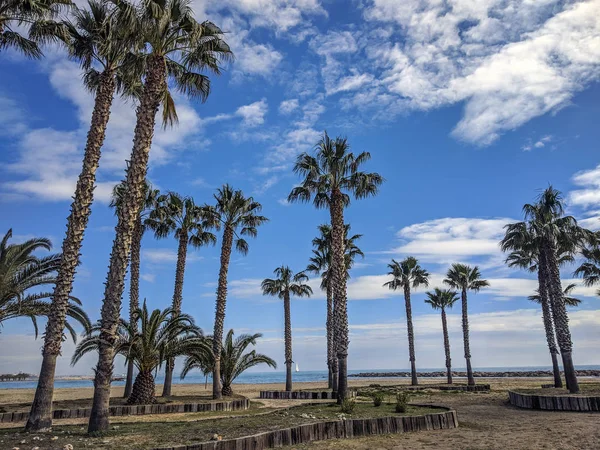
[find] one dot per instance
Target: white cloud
(254, 113)
(589, 196)
(149, 277)
(288, 106)
(164, 256)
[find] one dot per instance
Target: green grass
(591, 389)
(143, 435)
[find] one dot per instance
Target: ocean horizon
(270, 377)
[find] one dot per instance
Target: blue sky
(468, 110)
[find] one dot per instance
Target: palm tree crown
(569, 300)
(407, 273)
(286, 283)
(464, 277)
(37, 15)
(21, 271)
(589, 270)
(441, 298)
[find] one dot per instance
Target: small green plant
(348, 405)
(377, 399)
(402, 399)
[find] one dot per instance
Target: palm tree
(22, 271)
(465, 278)
(442, 299)
(522, 242)
(149, 203)
(331, 175)
(233, 212)
(177, 45)
(158, 336)
(589, 270)
(96, 38)
(406, 274)
(233, 360)
(189, 223)
(551, 232)
(285, 284)
(320, 263)
(37, 15)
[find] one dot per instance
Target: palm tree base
(143, 390)
(556, 371)
(570, 376)
(40, 417)
(227, 391)
(129, 380)
(168, 379)
(342, 388)
(413, 374)
(288, 376)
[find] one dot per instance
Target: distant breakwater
(507, 374)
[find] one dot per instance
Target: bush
(377, 399)
(348, 405)
(402, 399)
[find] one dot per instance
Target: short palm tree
(96, 39)
(189, 223)
(442, 299)
(319, 263)
(158, 336)
(37, 15)
(408, 274)
(233, 359)
(148, 204)
(239, 216)
(283, 286)
(330, 176)
(179, 48)
(20, 272)
(550, 232)
(465, 278)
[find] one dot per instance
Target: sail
(297, 368)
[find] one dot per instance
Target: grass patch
(143, 435)
(585, 389)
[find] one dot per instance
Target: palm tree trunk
(227, 391)
(288, 342)
(143, 389)
(559, 312)
(465, 327)
(40, 416)
(548, 324)
(220, 309)
(177, 299)
(134, 292)
(154, 86)
(411, 337)
(447, 347)
(339, 291)
(329, 330)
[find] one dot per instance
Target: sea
(268, 377)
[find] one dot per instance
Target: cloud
(254, 113)
(288, 106)
(164, 256)
(590, 194)
(149, 277)
(540, 143)
(509, 62)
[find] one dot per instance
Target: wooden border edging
(137, 410)
(338, 429)
(451, 387)
(554, 403)
(301, 395)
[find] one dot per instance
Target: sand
(486, 420)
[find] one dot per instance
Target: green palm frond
(406, 274)
(286, 283)
(441, 298)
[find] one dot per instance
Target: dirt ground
(486, 420)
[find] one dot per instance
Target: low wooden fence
(339, 429)
(301, 395)
(554, 403)
(137, 410)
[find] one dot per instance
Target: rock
(35, 448)
(115, 427)
(23, 442)
(54, 438)
(68, 447)
(215, 437)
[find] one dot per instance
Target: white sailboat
(297, 368)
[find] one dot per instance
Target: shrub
(348, 405)
(402, 399)
(377, 399)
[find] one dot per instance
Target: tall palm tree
(148, 204)
(158, 336)
(233, 360)
(330, 177)
(178, 46)
(551, 233)
(96, 38)
(37, 15)
(189, 223)
(465, 278)
(20, 272)
(317, 264)
(408, 274)
(522, 242)
(442, 299)
(239, 216)
(285, 284)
